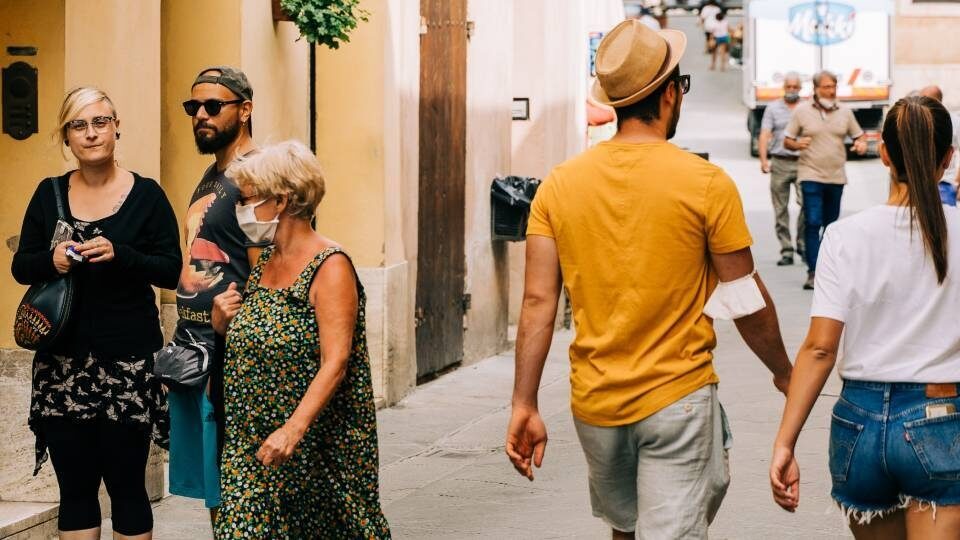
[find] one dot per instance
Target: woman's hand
(61, 262)
(96, 250)
(225, 308)
(279, 446)
(785, 478)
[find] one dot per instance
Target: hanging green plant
(325, 22)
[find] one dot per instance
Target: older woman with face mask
(95, 403)
(300, 453)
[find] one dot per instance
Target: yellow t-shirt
(634, 225)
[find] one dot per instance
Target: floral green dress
(330, 486)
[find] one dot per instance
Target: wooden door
(441, 264)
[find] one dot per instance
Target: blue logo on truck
(822, 23)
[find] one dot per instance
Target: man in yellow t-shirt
(639, 232)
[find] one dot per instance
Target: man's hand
(225, 308)
(764, 166)
(526, 440)
(804, 142)
(785, 479)
(860, 146)
(278, 447)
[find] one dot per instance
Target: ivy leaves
(325, 22)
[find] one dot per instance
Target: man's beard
(218, 141)
(674, 120)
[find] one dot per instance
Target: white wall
(550, 67)
(489, 94)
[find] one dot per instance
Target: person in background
(721, 39)
(888, 284)
(300, 456)
(818, 130)
(96, 404)
(781, 164)
(707, 18)
(648, 20)
(951, 176)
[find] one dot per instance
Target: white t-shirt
(650, 22)
(877, 278)
(709, 13)
(721, 28)
(950, 174)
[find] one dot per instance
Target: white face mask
(257, 232)
(827, 104)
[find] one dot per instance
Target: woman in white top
(707, 18)
(721, 39)
(890, 284)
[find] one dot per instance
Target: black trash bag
(510, 200)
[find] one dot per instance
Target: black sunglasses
(683, 82)
(212, 106)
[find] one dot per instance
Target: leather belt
(942, 390)
(788, 158)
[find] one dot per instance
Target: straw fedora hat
(633, 60)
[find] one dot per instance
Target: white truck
(851, 38)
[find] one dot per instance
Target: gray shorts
(664, 476)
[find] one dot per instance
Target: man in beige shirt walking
(818, 130)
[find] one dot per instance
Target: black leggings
(85, 451)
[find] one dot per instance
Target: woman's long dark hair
(917, 134)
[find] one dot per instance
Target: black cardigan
(115, 312)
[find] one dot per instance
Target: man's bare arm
(761, 330)
(541, 294)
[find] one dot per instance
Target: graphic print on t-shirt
(215, 254)
(204, 270)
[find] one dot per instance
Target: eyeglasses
(100, 124)
(212, 106)
(684, 83)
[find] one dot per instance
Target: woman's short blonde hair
(286, 168)
(75, 101)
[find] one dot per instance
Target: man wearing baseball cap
(217, 253)
(651, 244)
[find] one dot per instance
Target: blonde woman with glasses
(95, 404)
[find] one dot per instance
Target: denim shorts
(885, 452)
(664, 476)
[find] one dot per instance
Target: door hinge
(465, 302)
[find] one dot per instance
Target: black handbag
(44, 311)
(182, 366)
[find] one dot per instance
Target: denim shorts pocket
(936, 442)
(844, 435)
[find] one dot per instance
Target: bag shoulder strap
(58, 195)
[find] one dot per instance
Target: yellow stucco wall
(277, 65)
(350, 138)
(25, 163)
(124, 61)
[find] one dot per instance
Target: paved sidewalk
(444, 473)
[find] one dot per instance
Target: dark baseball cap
(232, 78)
